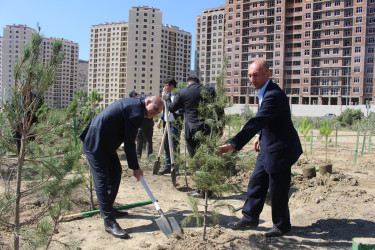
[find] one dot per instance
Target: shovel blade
(156, 167)
(168, 225)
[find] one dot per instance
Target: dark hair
(171, 82)
(193, 79)
(133, 93)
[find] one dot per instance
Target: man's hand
(256, 144)
(164, 95)
(225, 149)
(158, 124)
(138, 173)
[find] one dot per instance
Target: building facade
(209, 44)
(14, 38)
(136, 55)
(60, 94)
(320, 52)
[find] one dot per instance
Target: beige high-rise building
(209, 44)
(14, 38)
(136, 55)
(61, 92)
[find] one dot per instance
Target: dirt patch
(327, 211)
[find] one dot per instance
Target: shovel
(167, 225)
(157, 163)
(171, 155)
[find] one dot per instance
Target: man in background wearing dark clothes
(279, 148)
(145, 132)
(116, 124)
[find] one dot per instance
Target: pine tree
(213, 170)
(45, 156)
(81, 110)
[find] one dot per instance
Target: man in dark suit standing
(279, 148)
(116, 124)
(189, 98)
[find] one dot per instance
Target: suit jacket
(188, 98)
(280, 146)
(116, 124)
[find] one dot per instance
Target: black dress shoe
(241, 225)
(115, 229)
(119, 214)
(165, 171)
(275, 232)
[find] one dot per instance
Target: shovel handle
(150, 194)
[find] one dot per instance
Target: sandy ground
(326, 211)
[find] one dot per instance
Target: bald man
(116, 124)
(279, 148)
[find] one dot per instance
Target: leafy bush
(350, 117)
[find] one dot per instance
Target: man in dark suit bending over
(116, 124)
(279, 148)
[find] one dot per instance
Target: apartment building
(209, 44)
(320, 52)
(136, 55)
(13, 40)
(61, 92)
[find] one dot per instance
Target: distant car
(328, 116)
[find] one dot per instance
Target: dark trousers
(144, 136)
(106, 172)
(278, 185)
(175, 135)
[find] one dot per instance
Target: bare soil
(327, 211)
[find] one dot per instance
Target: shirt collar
(261, 91)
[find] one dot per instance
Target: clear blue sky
(72, 19)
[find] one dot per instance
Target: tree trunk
(21, 159)
(205, 215)
(91, 190)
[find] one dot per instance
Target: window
(371, 40)
(308, 6)
(358, 10)
(370, 60)
(356, 79)
(358, 29)
(368, 90)
(358, 19)
(358, 39)
(357, 49)
(357, 69)
(307, 24)
(357, 59)
(370, 50)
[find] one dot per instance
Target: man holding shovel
(116, 124)
(175, 120)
